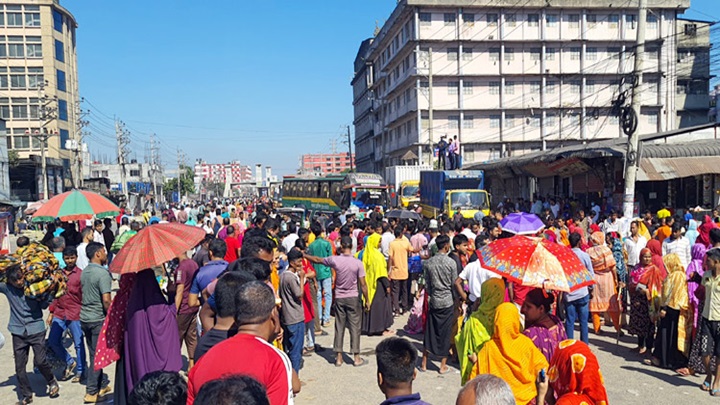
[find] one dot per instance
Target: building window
(591, 20)
(16, 50)
(19, 111)
(535, 87)
(614, 53)
(449, 19)
(630, 21)
(134, 173)
(509, 87)
(3, 82)
(575, 87)
(104, 173)
(34, 50)
(535, 53)
(453, 88)
(59, 51)
(453, 121)
(652, 119)
(425, 19)
(468, 122)
(550, 53)
(551, 20)
(64, 137)
(57, 21)
(533, 20)
(509, 54)
(510, 20)
(509, 121)
(590, 53)
(424, 88)
(652, 21)
(62, 110)
(535, 122)
(575, 53)
(494, 54)
(17, 82)
(21, 142)
(61, 85)
(32, 19)
(574, 20)
(467, 88)
(613, 21)
(467, 54)
(14, 19)
(589, 86)
(452, 54)
(494, 88)
(653, 53)
(494, 121)
(469, 19)
(492, 20)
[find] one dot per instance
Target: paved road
(628, 381)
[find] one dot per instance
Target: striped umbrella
(155, 245)
(76, 205)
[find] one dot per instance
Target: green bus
(360, 192)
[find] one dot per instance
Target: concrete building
(509, 79)
(216, 172)
(325, 163)
(37, 46)
(693, 72)
(140, 177)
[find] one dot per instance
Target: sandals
(362, 363)
(705, 385)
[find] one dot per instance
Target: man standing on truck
(442, 152)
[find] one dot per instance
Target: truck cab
(453, 191)
(409, 193)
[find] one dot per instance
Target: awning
(409, 155)
(659, 169)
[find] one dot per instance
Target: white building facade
(509, 78)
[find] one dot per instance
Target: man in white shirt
(82, 258)
(677, 244)
(385, 240)
(596, 209)
(475, 275)
(634, 244)
(97, 234)
(611, 224)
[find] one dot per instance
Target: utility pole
(77, 144)
(349, 142)
(632, 158)
(181, 163)
(153, 167)
(46, 114)
(122, 141)
(430, 107)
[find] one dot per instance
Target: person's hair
(92, 248)
(225, 290)
(135, 226)
(58, 242)
(489, 389)
(230, 230)
(271, 224)
(22, 241)
(218, 248)
(676, 227)
(442, 241)
(254, 244)
(231, 390)
(445, 228)
(14, 273)
(97, 222)
(302, 232)
(715, 236)
(294, 254)
(125, 220)
(159, 388)
(459, 239)
(396, 359)
(574, 239)
(226, 221)
(254, 303)
(346, 242)
(345, 230)
(315, 228)
(713, 254)
(291, 226)
(398, 231)
(539, 298)
(300, 244)
(258, 268)
(107, 222)
(481, 240)
(70, 251)
(86, 232)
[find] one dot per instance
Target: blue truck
(452, 191)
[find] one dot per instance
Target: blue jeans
(293, 339)
(310, 335)
(573, 310)
(325, 288)
(57, 329)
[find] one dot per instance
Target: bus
(358, 192)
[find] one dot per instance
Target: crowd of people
(248, 302)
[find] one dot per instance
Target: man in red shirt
(233, 245)
(248, 352)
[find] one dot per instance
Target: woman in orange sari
(605, 297)
(575, 377)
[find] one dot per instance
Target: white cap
(433, 224)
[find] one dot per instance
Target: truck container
(405, 181)
(450, 191)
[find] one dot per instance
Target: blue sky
(255, 81)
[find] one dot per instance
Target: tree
(187, 182)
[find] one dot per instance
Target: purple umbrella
(522, 224)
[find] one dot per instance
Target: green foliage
(187, 183)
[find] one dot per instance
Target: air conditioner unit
(491, 37)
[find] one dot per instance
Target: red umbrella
(536, 262)
(75, 205)
(155, 245)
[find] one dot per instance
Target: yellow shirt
(399, 249)
(711, 312)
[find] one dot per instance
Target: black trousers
(94, 378)
(348, 313)
(21, 351)
(399, 295)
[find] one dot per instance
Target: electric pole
(46, 114)
(632, 158)
(122, 141)
(153, 167)
(349, 142)
(181, 163)
(430, 107)
(76, 145)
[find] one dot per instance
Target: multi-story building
(693, 72)
(216, 172)
(140, 177)
(510, 77)
(325, 163)
(38, 76)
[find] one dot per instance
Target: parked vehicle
(453, 191)
(405, 181)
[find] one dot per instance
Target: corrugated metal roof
(658, 169)
(678, 150)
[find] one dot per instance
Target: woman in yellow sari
(672, 343)
(512, 356)
(379, 318)
(479, 327)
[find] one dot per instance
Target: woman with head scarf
(657, 258)
(544, 328)
(575, 377)
(379, 319)
(645, 280)
(704, 231)
(672, 344)
(479, 327)
(512, 356)
(605, 298)
(692, 231)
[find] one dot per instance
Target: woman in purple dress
(544, 328)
